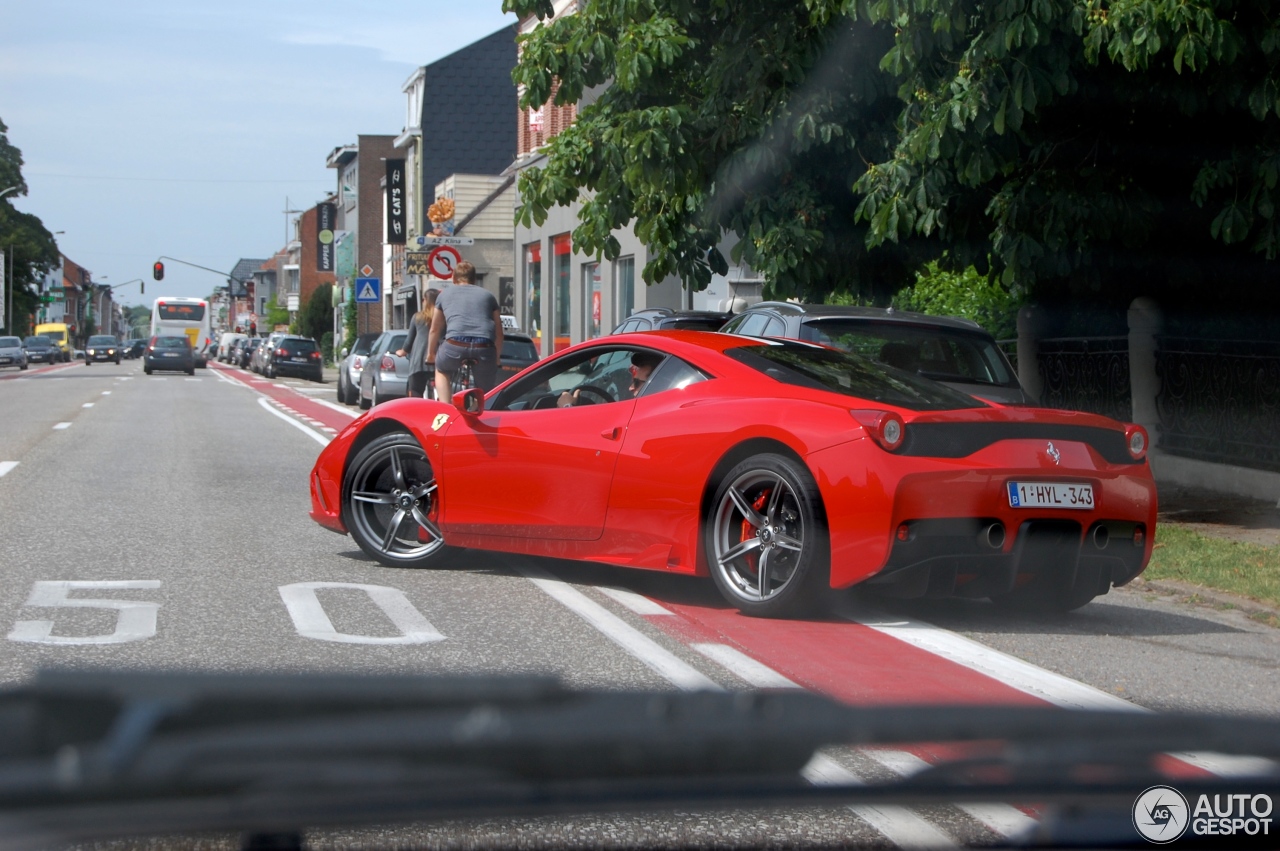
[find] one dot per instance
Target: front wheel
(767, 538)
(391, 503)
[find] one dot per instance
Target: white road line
(6, 466)
(1053, 688)
(899, 824)
(1010, 670)
(106, 392)
(665, 663)
(316, 436)
(1006, 820)
(87, 405)
(757, 674)
(191, 379)
(61, 426)
(336, 407)
(637, 603)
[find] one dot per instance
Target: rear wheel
(767, 539)
(390, 503)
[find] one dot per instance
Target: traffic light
(157, 271)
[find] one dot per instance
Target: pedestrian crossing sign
(368, 290)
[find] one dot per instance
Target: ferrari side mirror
(469, 402)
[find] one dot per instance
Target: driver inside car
(642, 364)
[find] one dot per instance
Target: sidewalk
(1220, 515)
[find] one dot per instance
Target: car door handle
(612, 433)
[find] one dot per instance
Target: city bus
(182, 316)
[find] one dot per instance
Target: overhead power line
(169, 179)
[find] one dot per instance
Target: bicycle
(464, 377)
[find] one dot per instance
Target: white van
(225, 342)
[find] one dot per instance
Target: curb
(1200, 595)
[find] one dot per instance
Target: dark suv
(296, 356)
(954, 351)
(666, 319)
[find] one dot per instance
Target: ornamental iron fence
(1219, 400)
(1086, 374)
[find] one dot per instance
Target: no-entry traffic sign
(442, 260)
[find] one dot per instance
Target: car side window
(775, 327)
(753, 325)
(672, 374)
(596, 376)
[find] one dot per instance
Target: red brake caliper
(748, 531)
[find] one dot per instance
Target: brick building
(360, 170)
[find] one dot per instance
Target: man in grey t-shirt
(466, 326)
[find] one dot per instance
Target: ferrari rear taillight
(1135, 438)
(885, 427)
(388, 364)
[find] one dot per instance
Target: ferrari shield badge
(439, 421)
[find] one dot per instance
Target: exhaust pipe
(992, 536)
(1100, 537)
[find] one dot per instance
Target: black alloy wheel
(390, 503)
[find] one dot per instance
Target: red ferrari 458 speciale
(780, 468)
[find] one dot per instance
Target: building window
(533, 286)
(626, 271)
(593, 300)
(562, 250)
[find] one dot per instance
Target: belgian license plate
(171, 354)
(4, 360)
(298, 360)
(1050, 495)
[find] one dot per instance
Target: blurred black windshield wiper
(90, 754)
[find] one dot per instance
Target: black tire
(365, 404)
(147, 370)
(784, 567)
(23, 367)
(191, 370)
(389, 497)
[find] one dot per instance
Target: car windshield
(995, 424)
(851, 375)
(932, 351)
(9, 342)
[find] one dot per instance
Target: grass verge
(1248, 570)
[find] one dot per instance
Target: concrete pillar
(1030, 328)
(548, 318)
(1145, 322)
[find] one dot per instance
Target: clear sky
(180, 128)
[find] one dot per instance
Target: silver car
(12, 353)
(385, 375)
(351, 366)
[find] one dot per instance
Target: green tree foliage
(746, 116)
(27, 244)
(277, 314)
(1065, 147)
(966, 293)
(316, 316)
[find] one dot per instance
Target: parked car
(297, 356)
(171, 353)
(41, 350)
(12, 354)
(133, 348)
(350, 367)
(245, 352)
(957, 352)
(784, 469)
(385, 375)
(226, 343)
(262, 354)
(518, 352)
(102, 347)
(667, 319)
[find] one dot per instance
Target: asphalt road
(180, 504)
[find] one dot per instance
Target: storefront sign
(326, 217)
(415, 262)
(395, 202)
